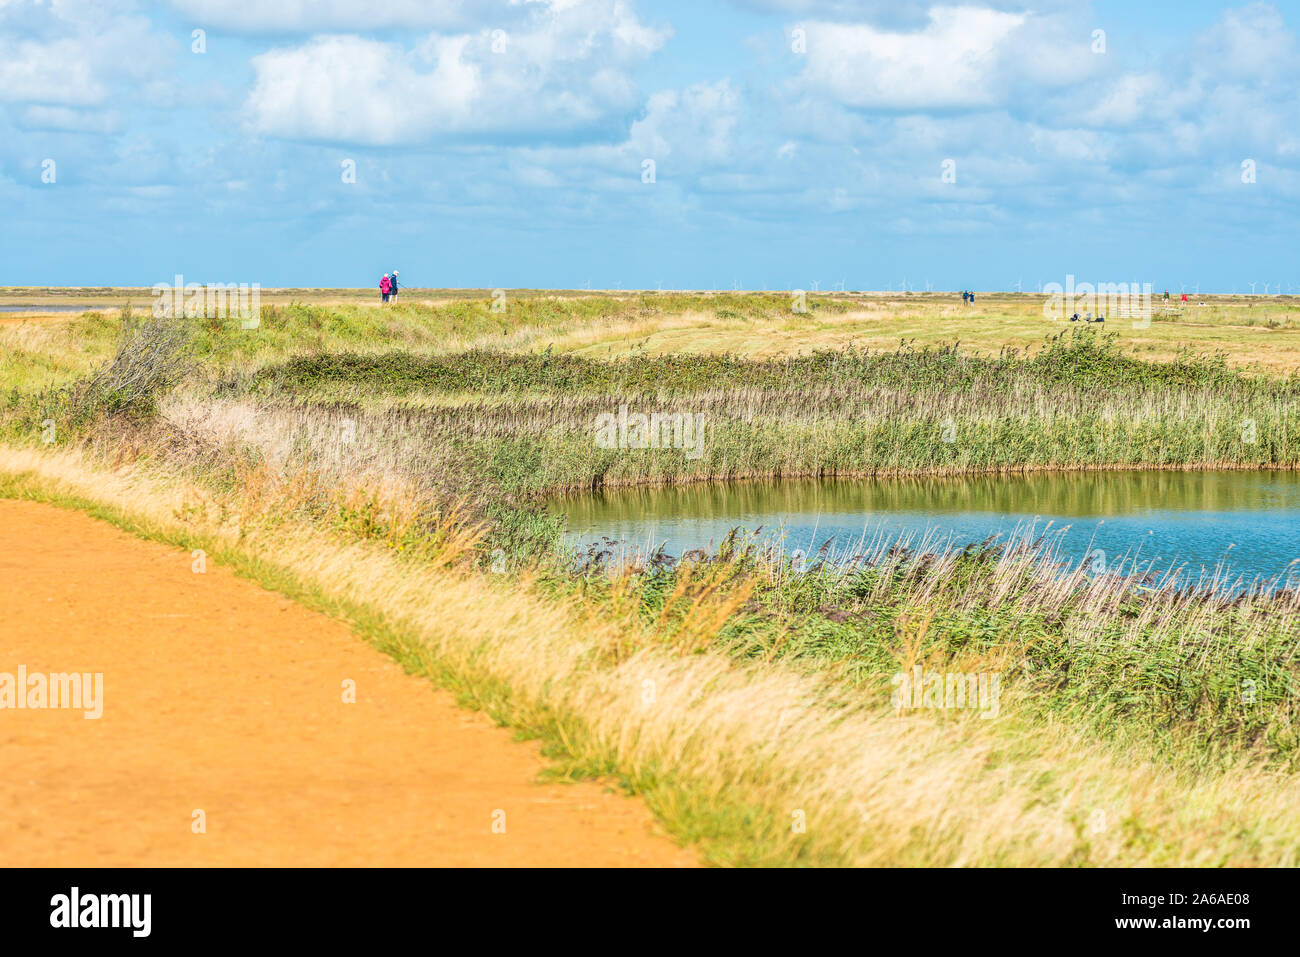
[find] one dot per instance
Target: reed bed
(526, 425)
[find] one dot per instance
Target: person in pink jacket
(385, 287)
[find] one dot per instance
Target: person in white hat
(393, 284)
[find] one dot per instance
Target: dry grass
(1261, 336)
(729, 754)
(1258, 333)
(39, 354)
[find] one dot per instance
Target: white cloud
(1075, 145)
(353, 89)
(896, 13)
(566, 71)
(1248, 42)
(53, 72)
(1129, 100)
(74, 53)
(689, 133)
(698, 120)
(953, 62)
(326, 16)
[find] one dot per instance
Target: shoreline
(576, 491)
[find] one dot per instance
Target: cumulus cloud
(699, 120)
(1233, 87)
(74, 53)
(952, 62)
(327, 16)
(909, 14)
(1129, 100)
(1250, 42)
(689, 133)
(564, 70)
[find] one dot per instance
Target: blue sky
(795, 142)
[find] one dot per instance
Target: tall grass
(1186, 665)
(524, 425)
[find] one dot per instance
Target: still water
(1248, 522)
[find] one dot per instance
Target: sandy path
(223, 697)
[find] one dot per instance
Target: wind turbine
(1252, 286)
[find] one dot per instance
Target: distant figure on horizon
(972, 298)
(385, 287)
(964, 294)
(393, 285)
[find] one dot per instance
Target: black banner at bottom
(774, 908)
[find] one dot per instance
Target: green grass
(1082, 359)
(1199, 675)
(40, 356)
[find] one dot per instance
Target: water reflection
(1251, 519)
